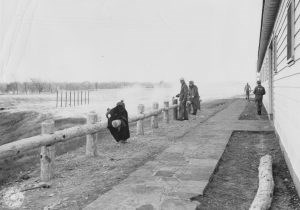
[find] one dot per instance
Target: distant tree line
(38, 86)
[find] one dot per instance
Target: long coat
(194, 96)
(118, 113)
(184, 91)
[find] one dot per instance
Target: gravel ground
(235, 180)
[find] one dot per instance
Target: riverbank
(79, 180)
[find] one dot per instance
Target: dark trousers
(195, 108)
(247, 95)
(183, 114)
(258, 106)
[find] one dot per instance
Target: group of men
(188, 98)
(259, 92)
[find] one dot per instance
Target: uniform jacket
(259, 91)
(183, 95)
(193, 95)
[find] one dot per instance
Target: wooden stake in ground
(91, 139)
(139, 123)
(61, 99)
(263, 197)
(175, 110)
(154, 120)
(166, 112)
(56, 98)
(66, 99)
(47, 153)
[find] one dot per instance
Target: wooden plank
(281, 15)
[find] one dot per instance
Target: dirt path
(235, 181)
(79, 180)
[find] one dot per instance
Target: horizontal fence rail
(49, 137)
(23, 145)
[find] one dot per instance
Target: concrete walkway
(183, 170)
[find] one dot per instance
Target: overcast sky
(130, 40)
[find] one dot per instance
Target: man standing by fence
(183, 96)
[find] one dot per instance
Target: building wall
(286, 89)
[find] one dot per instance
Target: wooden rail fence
(49, 137)
(70, 98)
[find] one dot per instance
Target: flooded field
(100, 100)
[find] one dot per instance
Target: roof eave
(268, 18)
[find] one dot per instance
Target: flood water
(100, 100)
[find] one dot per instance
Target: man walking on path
(183, 96)
(194, 97)
(259, 91)
(247, 90)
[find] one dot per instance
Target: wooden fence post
(77, 97)
(74, 98)
(70, 98)
(47, 153)
(81, 97)
(175, 110)
(85, 97)
(139, 123)
(166, 112)
(57, 99)
(88, 97)
(61, 99)
(91, 139)
(154, 120)
(66, 99)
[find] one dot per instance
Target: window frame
(291, 30)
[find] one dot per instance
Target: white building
(279, 67)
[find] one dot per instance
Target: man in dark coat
(183, 96)
(194, 97)
(117, 122)
(259, 91)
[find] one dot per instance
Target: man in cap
(194, 97)
(183, 96)
(259, 91)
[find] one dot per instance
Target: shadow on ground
(250, 112)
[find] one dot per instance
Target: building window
(290, 32)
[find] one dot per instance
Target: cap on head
(181, 79)
(258, 82)
(191, 82)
